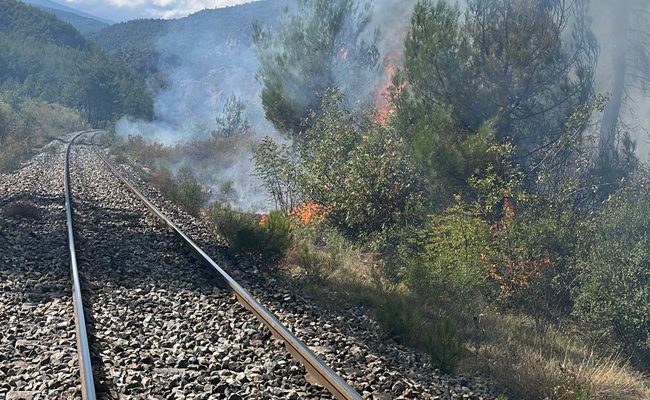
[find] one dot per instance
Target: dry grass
(535, 366)
(338, 272)
(523, 362)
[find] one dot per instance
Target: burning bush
(350, 163)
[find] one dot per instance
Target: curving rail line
(83, 348)
(312, 363)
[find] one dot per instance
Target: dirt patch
(22, 210)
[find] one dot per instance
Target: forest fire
(391, 63)
(308, 213)
(304, 214)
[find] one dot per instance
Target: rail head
(301, 352)
(83, 346)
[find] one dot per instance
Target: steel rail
(83, 347)
(314, 365)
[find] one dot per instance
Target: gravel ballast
(159, 325)
(37, 338)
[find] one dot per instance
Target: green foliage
(506, 64)
(182, 189)
(315, 263)
(83, 24)
(279, 173)
(614, 291)
(265, 243)
(139, 150)
(532, 257)
(356, 169)
(444, 345)
(29, 123)
(188, 192)
(233, 120)
(6, 114)
(33, 23)
(42, 57)
(315, 46)
(398, 319)
(446, 267)
(402, 321)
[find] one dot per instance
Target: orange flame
(308, 213)
(304, 214)
(382, 101)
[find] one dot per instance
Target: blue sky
(121, 10)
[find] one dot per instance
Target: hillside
(150, 45)
(44, 58)
(52, 5)
(20, 20)
(82, 24)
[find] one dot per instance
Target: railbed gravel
(37, 339)
(159, 325)
(348, 340)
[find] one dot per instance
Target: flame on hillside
(304, 214)
(383, 103)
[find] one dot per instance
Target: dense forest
(53, 80)
(83, 22)
(44, 58)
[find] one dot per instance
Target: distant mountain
(83, 24)
(52, 5)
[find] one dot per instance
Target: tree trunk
(613, 108)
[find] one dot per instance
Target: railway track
(162, 319)
(319, 370)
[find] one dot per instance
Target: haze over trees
(318, 45)
(627, 68)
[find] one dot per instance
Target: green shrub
(266, 242)
(404, 322)
(315, 262)
(187, 192)
(398, 319)
(29, 123)
(444, 345)
(532, 259)
(614, 292)
(447, 269)
(275, 237)
(183, 189)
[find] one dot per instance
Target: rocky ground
(37, 338)
(159, 325)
